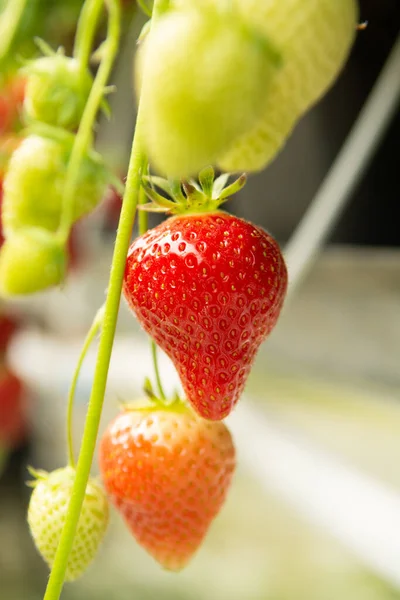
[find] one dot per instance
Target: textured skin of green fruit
(31, 260)
(35, 181)
(46, 516)
(204, 85)
(314, 38)
(56, 91)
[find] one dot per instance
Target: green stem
(144, 7)
(154, 356)
(9, 24)
(136, 164)
(86, 30)
(96, 325)
(84, 136)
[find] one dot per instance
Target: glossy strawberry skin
(168, 473)
(208, 288)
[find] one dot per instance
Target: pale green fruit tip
(31, 260)
(56, 91)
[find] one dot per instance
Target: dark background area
(278, 197)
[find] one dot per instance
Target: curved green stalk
(160, 388)
(86, 30)
(96, 325)
(84, 136)
(136, 164)
(9, 24)
(144, 7)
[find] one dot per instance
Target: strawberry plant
(217, 82)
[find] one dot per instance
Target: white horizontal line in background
(346, 172)
(360, 512)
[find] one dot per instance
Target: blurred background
(314, 512)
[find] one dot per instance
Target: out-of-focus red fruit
(8, 326)
(11, 99)
(13, 422)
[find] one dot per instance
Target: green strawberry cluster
(34, 255)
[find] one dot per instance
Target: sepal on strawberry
(31, 260)
(57, 89)
(47, 513)
(204, 195)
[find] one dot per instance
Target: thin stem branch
(144, 7)
(154, 356)
(84, 135)
(86, 30)
(136, 164)
(96, 325)
(9, 24)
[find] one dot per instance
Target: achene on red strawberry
(208, 287)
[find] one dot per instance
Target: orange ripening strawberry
(209, 289)
(168, 473)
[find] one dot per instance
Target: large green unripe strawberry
(34, 184)
(56, 92)
(31, 260)
(47, 513)
(204, 79)
(314, 38)
(168, 473)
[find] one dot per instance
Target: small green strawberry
(56, 92)
(205, 76)
(31, 260)
(35, 181)
(47, 511)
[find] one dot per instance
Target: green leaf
(206, 178)
(232, 189)
(219, 185)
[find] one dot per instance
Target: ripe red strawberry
(13, 423)
(168, 472)
(208, 288)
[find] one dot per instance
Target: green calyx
(57, 88)
(152, 402)
(204, 195)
